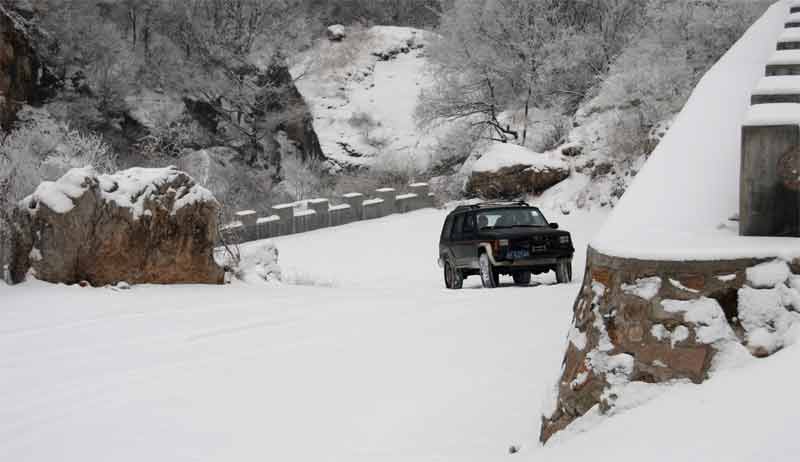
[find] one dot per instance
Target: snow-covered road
(372, 361)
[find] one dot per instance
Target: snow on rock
(768, 275)
(706, 315)
(645, 288)
(577, 338)
(766, 318)
(503, 155)
(678, 206)
(507, 171)
(336, 33)
(132, 189)
(60, 195)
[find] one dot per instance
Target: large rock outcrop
(138, 225)
(656, 321)
(24, 78)
(508, 171)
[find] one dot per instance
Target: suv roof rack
(491, 204)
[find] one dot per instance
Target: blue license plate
(516, 254)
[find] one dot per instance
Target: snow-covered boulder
(336, 33)
(507, 171)
(138, 225)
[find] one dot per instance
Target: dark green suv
(502, 238)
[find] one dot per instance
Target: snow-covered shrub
(40, 148)
(258, 262)
(301, 180)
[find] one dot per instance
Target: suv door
(465, 231)
(456, 236)
(467, 248)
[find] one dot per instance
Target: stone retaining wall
(320, 213)
(626, 328)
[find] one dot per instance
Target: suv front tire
(564, 271)
(489, 277)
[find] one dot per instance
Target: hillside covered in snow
(364, 88)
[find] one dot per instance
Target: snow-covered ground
(363, 355)
(363, 92)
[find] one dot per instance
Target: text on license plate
(516, 254)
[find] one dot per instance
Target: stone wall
(657, 321)
(314, 214)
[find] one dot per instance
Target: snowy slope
(679, 205)
(375, 362)
(363, 92)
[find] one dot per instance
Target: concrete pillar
(268, 227)
(407, 202)
(304, 220)
(423, 192)
(373, 208)
(355, 201)
(389, 200)
(286, 214)
(248, 219)
(770, 181)
(322, 209)
(340, 214)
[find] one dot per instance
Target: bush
(41, 149)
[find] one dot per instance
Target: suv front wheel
(489, 277)
(564, 271)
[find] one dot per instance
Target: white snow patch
(677, 284)
(706, 315)
(768, 274)
(645, 288)
(131, 188)
(765, 319)
(727, 277)
(502, 155)
(577, 338)
(680, 334)
(785, 57)
(778, 85)
(772, 114)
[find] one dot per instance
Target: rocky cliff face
(24, 78)
(137, 226)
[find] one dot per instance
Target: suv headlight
(563, 240)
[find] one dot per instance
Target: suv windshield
(508, 218)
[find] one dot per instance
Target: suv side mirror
(554, 225)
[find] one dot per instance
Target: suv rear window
(447, 229)
(457, 224)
